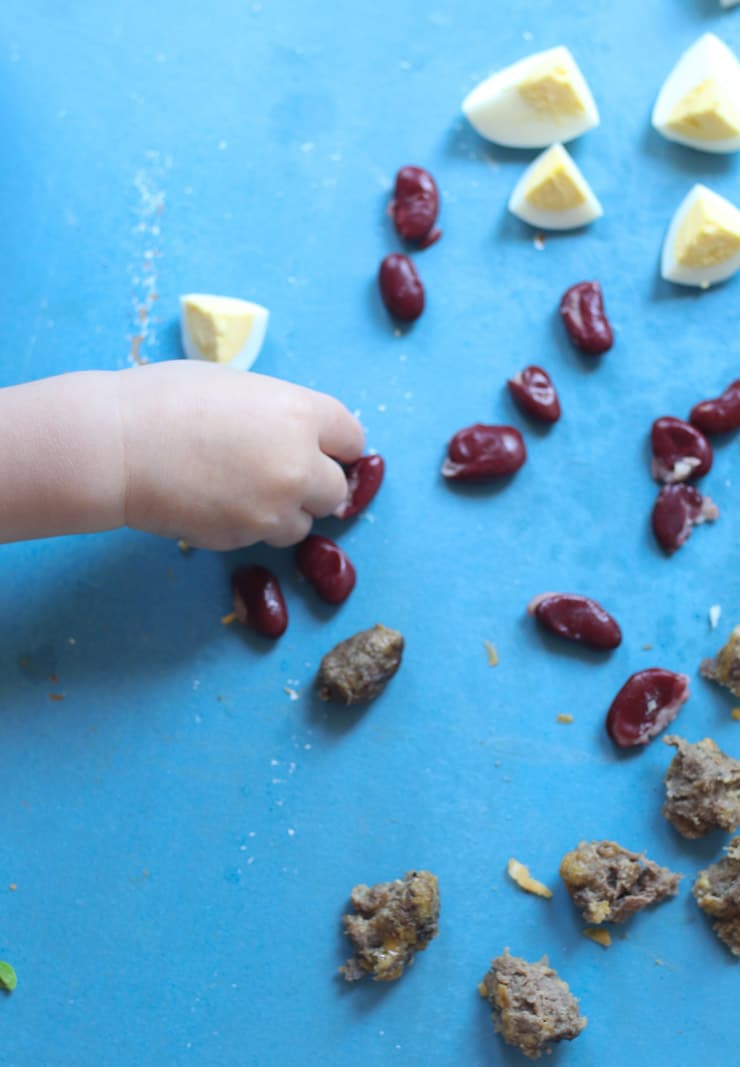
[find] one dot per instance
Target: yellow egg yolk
(706, 113)
(555, 189)
(219, 331)
(552, 92)
(708, 236)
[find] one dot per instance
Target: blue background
(183, 835)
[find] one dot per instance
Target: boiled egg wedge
(552, 194)
(702, 246)
(699, 104)
(535, 102)
(222, 329)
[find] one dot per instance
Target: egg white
(707, 58)
(569, 219)
(246, 356)
(499, 113)
(702, 277)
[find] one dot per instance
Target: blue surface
(183, 835)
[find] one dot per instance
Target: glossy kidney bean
(535, 393)
(415, 206)
(364, 478)
(720, 415)
(327, 567)
(258, 601)
(401, 287)
(583, 313)
(676, 511)
(576, 617)
(680, 451)
(644, 706)
(480, 453)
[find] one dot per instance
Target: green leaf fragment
(8, 977)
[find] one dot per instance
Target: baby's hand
(225, 458)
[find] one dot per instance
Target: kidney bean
(720, 415)
(534, 392)
(644, 706)
(576, 617)
(676, 511)
(415, 206)
(680, 451)
(364, 478)
(327, 567)
(258, 601)
(583, 313)
(401, 287)
(479, 453)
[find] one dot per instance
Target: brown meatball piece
(725, 667)
(702, 788)
(609, 883)
(357, 670)
(717, 892)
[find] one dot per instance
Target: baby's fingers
(291, 531)
(327, 489)
(340, 434)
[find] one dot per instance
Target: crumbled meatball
(725, 667)
(609, 883)
(702, 788)
(532, 1007)
(394, 921)
(717, 891)
(357, 670)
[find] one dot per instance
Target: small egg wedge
(552, 194)
(699, 103)
(702, 246)
(533, 103)
(222, 329)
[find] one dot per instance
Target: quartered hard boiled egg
(534, 102)
(699, 104)
(222, 329)
(552, 194)
(702, 245)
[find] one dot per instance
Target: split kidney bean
(644, 706)
(535, 393)
(720, 415)
(583, 313)
(401, 287)
(258, 601)
(578, 618)
(327, 567)
(680, 451)
(676, 511)
(415, 206)
(479, 453)
(364, 478)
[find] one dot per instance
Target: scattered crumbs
(71, 640)
(307, 748)
(736, 714)
(56, 696)
(539, 241)
(136, 356)
(659, 963)
(566, 719)
(252, 833)
(491, 653)
(519, 873)
(291, 832)
(291, 767)
(369, 517)
(292, 693)
(497, 763)
(226, 620)
(274, 762)
(8, 978)
(714, 613)
(184, 545)
(600, 936)
(647, 648)
(53, 678)
(397, 332)
(12, 887)
(250, 860)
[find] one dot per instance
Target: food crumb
(567, 719)
(520, 874)
(714, 614)
(184, 545)
(56, 696)
(647, 648)
(491, 653)
(12, 887)
(292, 693)
(226, 620)
(736, 714)
(539, 241)
(601, 937)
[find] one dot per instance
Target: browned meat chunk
(532, 1007)
(725, 667)
(702, 788)
(394, 921)
(357, 670)
(609, 883)
(717, 891)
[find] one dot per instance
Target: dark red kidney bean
(644, 706)
(534, 392)
(676, 511)
(479, 453)
(258, 601)
(680, 451)
(401, 287)
(327, 567)
(720, 415)
(415, 206)
(582, 310)
(576, 617)
(364, 478)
